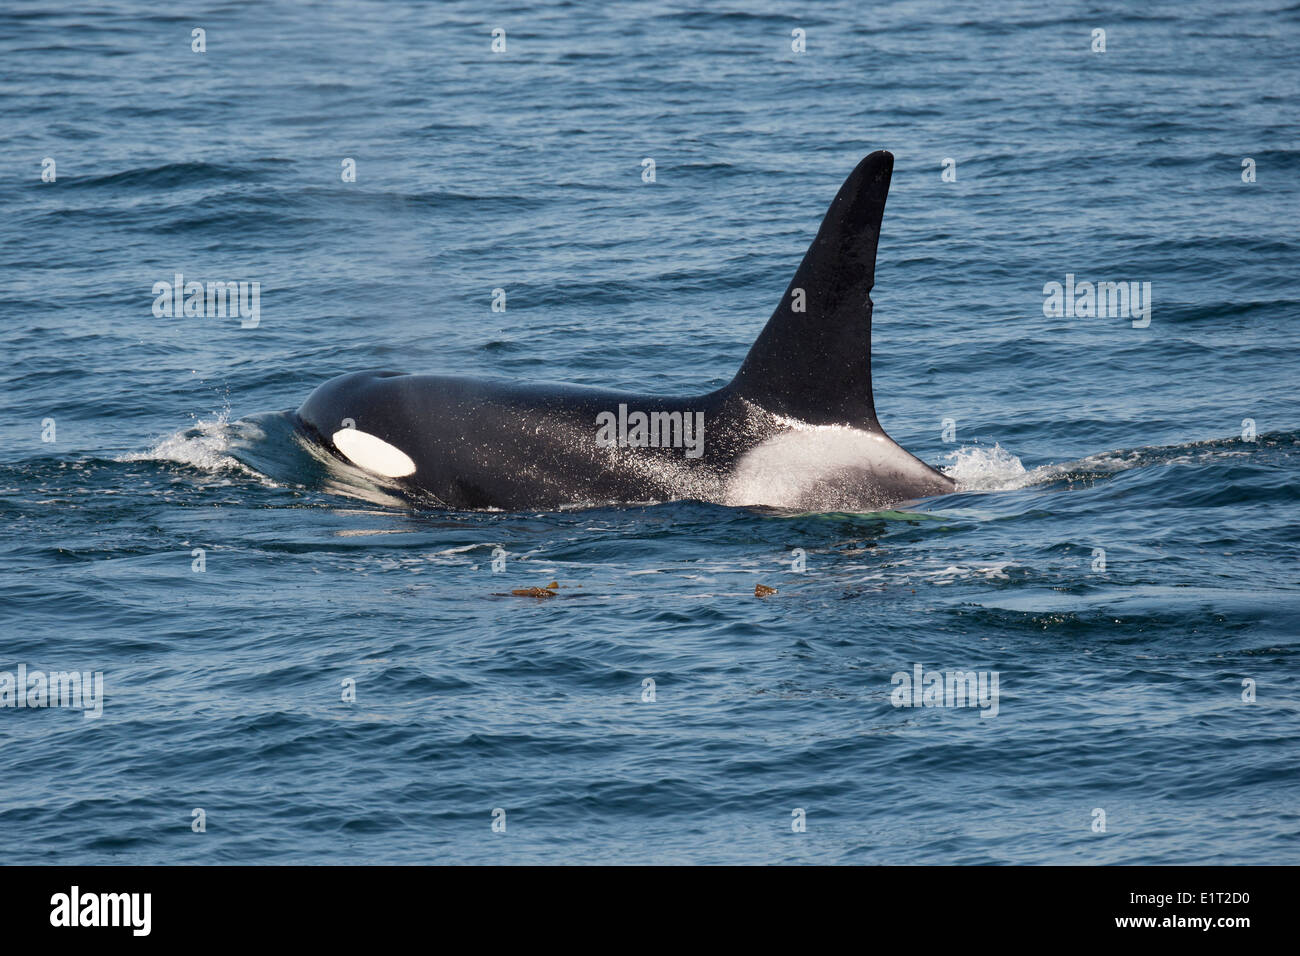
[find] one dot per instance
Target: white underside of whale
(809, 466)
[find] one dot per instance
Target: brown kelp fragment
(546, 592)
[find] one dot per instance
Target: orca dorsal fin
(815, 364)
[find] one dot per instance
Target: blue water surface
(1122, 551)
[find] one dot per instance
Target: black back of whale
(477, 443)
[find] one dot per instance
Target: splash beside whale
(795, 428)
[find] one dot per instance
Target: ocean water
(1121, 552)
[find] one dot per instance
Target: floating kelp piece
(546, 592)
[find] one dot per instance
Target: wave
(985, 469)
(178, 175)
(977, 468)
(204, 446)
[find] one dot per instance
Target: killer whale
(795, 428)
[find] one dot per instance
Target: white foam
(987, 469)
(996, 469)
(204, 446)
(996, 571)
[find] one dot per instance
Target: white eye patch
(373, 454)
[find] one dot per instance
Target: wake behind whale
(795, 428)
